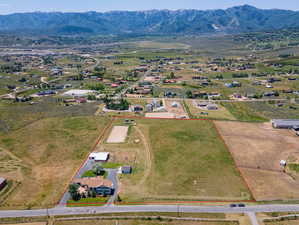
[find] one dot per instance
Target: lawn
(188, 162)
(45, 155)
(99, 201)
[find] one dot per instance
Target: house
(202, 104)
(237, 95)
(99, 156)
(126, 169)
(212, 106)
(149, 107)
(3, 183)
(98, 184)
(284, 123)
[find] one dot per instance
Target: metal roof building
(99, 156)
(285, 123)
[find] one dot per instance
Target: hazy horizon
(17, 6)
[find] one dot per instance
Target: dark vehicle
(241, 205)
(232, 205)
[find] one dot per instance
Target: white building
(78, 93)
(99, 156)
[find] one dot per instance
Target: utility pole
(178, 210)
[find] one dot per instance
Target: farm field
(161, 45)
(257, 149)
(271, 111)
(44, 155)
(186, 160)
(37, 223)
(286, 222)
(142, 222)
(242, 112)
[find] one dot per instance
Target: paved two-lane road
(147, 208)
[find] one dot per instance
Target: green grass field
(189, 161)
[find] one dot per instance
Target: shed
(137, 108)
(126, 170)
(99, 156)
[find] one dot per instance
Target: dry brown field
(257, 149)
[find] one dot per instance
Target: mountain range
(238, 19)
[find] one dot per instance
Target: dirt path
(148, 157)
(11, 154)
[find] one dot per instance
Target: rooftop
(93, 182)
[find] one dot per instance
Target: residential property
(100, 185)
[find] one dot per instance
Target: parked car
(241, 205)
(232, 205)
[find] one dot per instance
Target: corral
(118, 134)
(257, 149)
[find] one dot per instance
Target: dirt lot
(164, 115)
(257, 149)
(118, 134)
(178, 111)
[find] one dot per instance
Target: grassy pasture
(46, 154)
(142, 222)
(242, 112)
(189, 161)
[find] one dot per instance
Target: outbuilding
(284, 123)
(99, 156)
(126, 170)
(3, 183)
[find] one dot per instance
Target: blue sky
(11, 6)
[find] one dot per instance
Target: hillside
(237, 19)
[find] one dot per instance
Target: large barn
(285, 124)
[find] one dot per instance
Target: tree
(171, 75)
(189, 94)
(98, 169)
(91, 97)
(73, 190)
